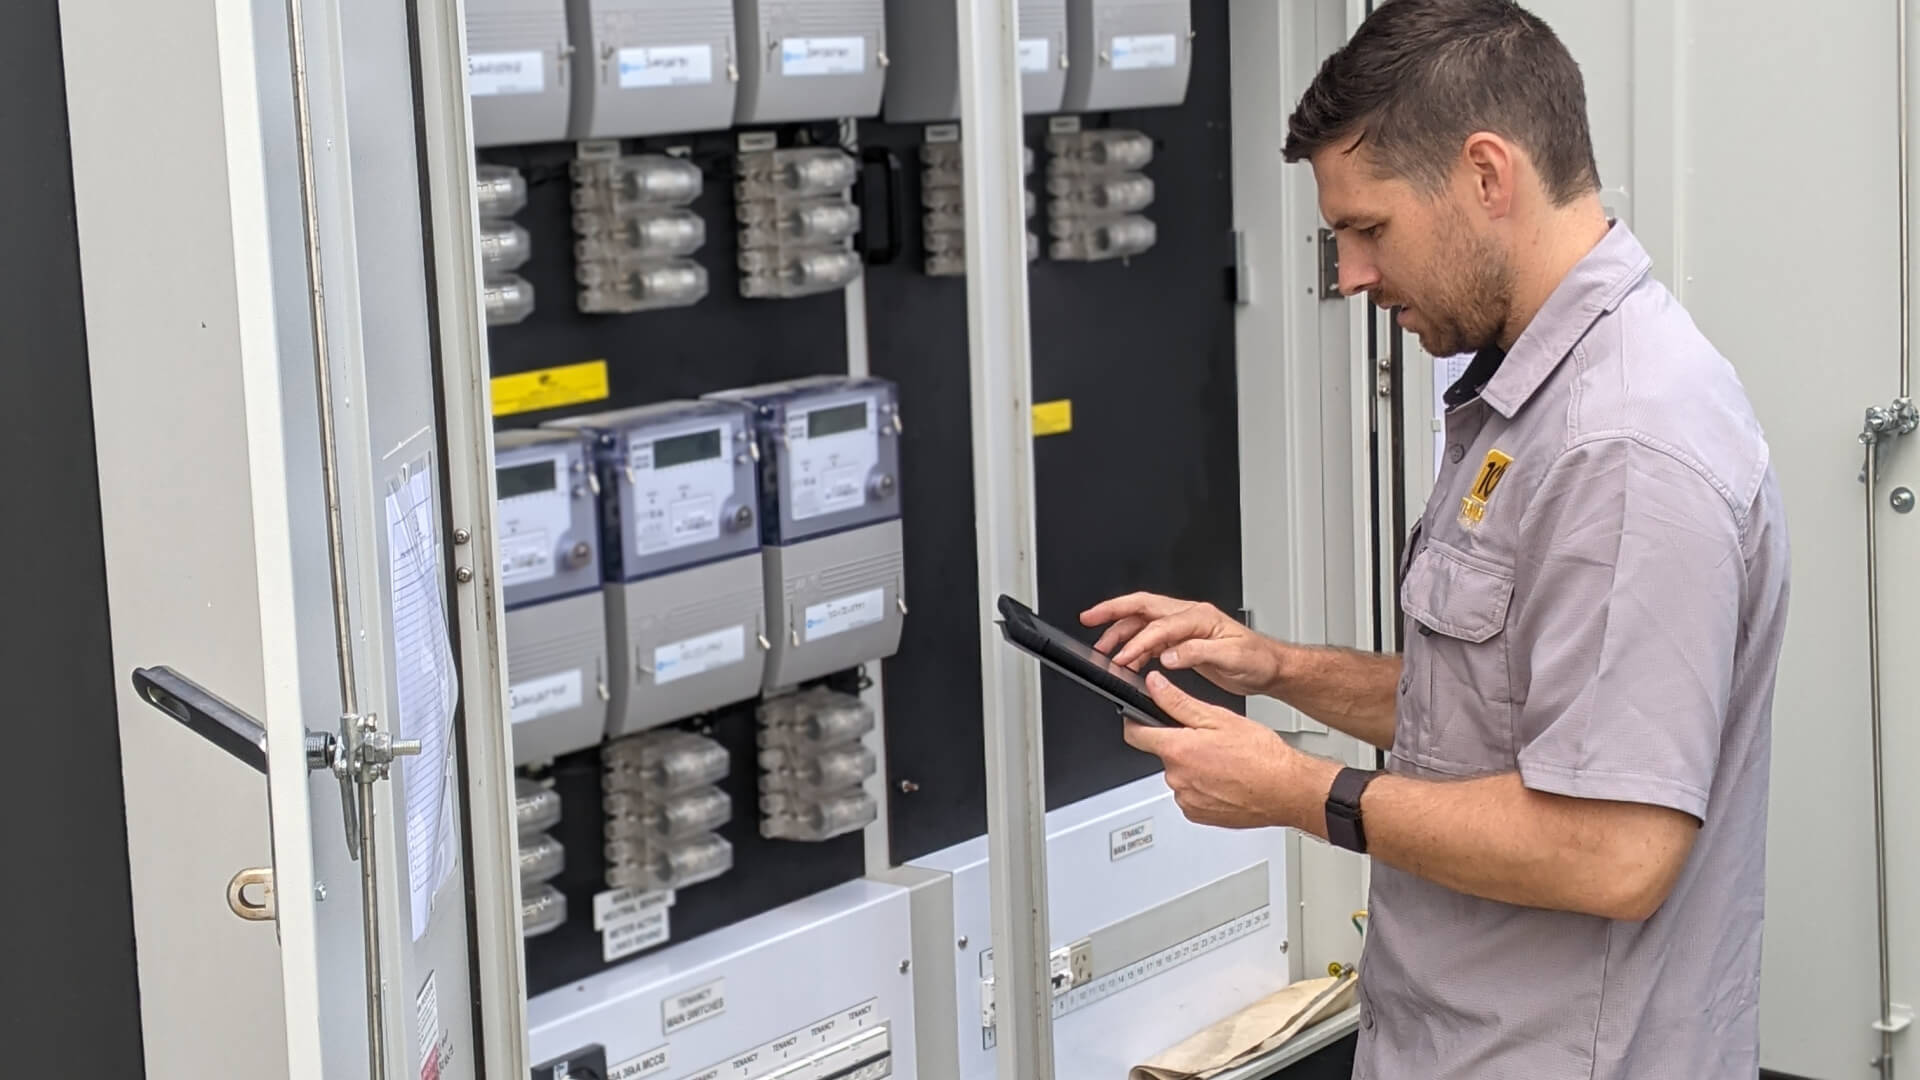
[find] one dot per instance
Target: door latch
(360, 754)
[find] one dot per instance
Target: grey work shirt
(1595, 598)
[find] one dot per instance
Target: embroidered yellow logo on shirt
(1473, 507)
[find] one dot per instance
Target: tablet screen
(1077, 660)
(1087, 652)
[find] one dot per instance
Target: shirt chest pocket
(1457, 713)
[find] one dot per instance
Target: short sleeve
(1632, 576)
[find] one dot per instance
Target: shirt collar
(1595, 286)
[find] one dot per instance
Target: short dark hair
(1420, 76)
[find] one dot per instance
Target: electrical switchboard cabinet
(651, 67)
(830, 522)
(923, 79)
(686, 620)
(518, 57)
(550, 574)
(1127, 54)
(811, 59)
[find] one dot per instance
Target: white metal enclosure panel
(1185, 925)
(1789, 262)
(802, 985)
(175, 302)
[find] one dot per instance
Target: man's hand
(1182, 634)
(1224, 769)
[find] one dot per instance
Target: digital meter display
(527, 479)
(838, 419)
(685, 449)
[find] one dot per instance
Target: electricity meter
(547, 521)
(686, 615)
(830, 522)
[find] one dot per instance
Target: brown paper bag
(1256, 1030)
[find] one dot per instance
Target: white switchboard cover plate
(819, 975)
(1110, 858)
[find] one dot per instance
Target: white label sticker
(823, 56)
(619, 904)
(651, 1063)
(535, 698)
(426, 1015)
(700, 1003)
(675, 65)
(679, 484)
(831, 450)
(621, 938)
(846, 613)
(535, 513)
(1139, 51)
(526, 558)
(1034, 54)
(489, 74)
(1129, 840)
(698, 655)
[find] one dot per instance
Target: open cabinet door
(382, 389)
(288, 369)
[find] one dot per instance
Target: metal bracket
(265, 909)
(1329, 266)
(1888, 422)
(1891, 421)
(1898, 1019)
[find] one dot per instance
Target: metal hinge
(1242, 277)
(1329, 266)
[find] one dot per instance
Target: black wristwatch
(1344, 828)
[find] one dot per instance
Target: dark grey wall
(66, 915)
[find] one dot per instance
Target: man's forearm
(1494, 838)
(1345, 689)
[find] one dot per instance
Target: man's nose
(1357, 273)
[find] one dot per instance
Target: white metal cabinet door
(375, 198)
(253, 550)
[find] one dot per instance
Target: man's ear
(1493, 167)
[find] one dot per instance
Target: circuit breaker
(830, 522)
(686, 614)
(547, 521)
(651, 67)
(811, 59)
(1127, 54)
(923, 80)
(517, 68)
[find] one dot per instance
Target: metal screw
(905, 965)
(1902, 500)
(464, 574)
(461, 536)
(319, 891)
(1283, 944)
(963, 943)
(908, 787)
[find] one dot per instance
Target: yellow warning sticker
(1052, 417)
(550, 388)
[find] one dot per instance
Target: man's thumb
(1176, 702)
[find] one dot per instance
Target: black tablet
(1078, 661)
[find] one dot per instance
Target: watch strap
(1344, 827)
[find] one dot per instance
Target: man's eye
(1372, 232)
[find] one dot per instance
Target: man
(1568, 838)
